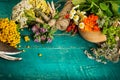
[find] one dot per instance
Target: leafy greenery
(111, 32)
(108, 11)
(101, 8)
(110, 29)
(109, 17)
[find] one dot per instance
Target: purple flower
(37, 33)
(35, 28)
(49, 40)
(36, 40)
(43, 38)
(43, 30)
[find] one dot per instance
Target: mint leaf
(103, 6)
(100, 13)
(109, 13)
(115, 8)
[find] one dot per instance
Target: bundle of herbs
(39, 15)
(108, 23)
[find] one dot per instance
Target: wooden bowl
(95, 37)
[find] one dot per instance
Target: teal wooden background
(63, 59)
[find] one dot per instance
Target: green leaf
(52, 31)
(56, 16)
(100, 13)
(76, 2)
(95, 0)
(103, 6)
(115, 8)
(109, 13)
(46, 26)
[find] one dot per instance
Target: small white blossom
(71, 16)
(23, 21)
(83, 13)
(72, 13)
(78, 12)
(76, 18)
(75, 6)
(81, 25)
(28, 7)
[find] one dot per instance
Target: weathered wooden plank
(57, 64)
(63, 59)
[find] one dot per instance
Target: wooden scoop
(95, 37)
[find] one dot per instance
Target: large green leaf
(76, 2)
(115, 8)
(103, 6)
(108, 12)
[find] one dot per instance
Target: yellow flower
(9, 33)
(42, 4)
(27, 38)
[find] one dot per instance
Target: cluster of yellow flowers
(41, 4)
(8, 32)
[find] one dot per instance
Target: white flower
(76, 18)
(27, 5)
(81, 25)
(75, 6)
(78, 12)
(71, 16)
(72, 13)
(23, 21)
(82, 14)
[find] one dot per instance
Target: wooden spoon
(95, 37)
